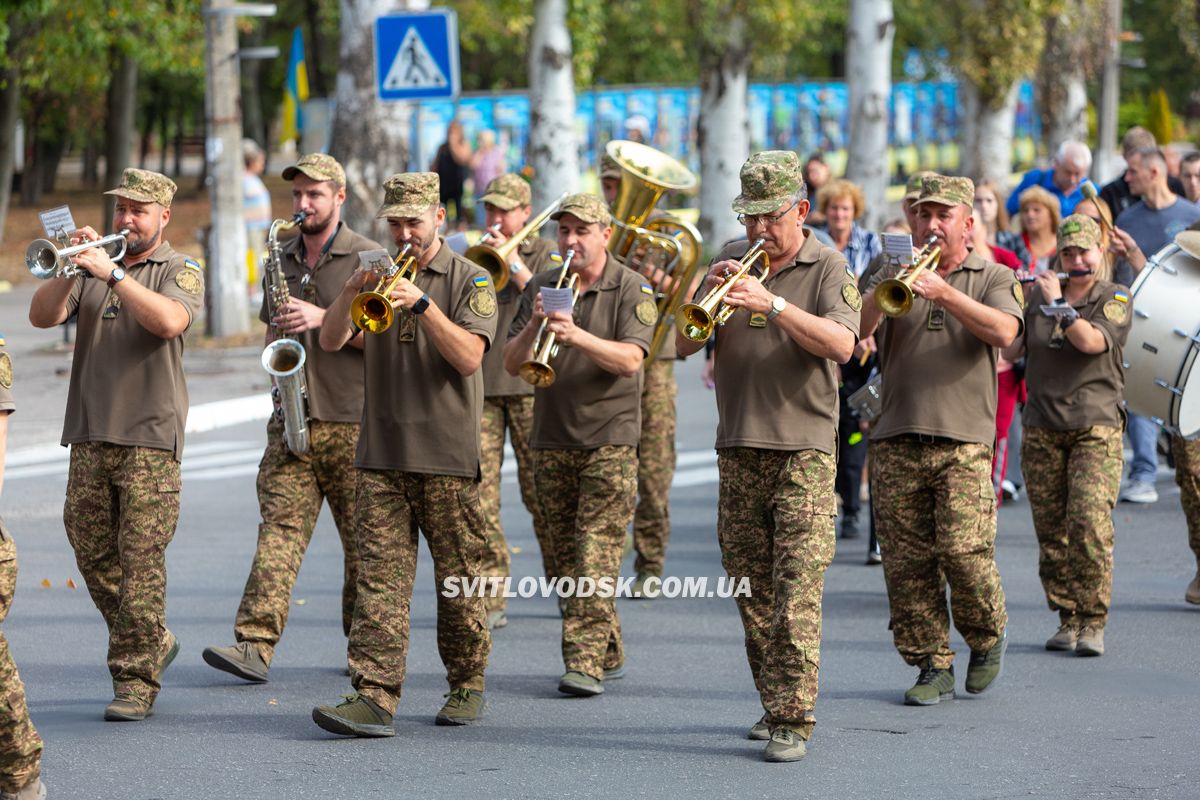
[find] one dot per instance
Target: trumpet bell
(41, 258)
(694, 322)
(894, 297)
(537, 373)
(372, 312)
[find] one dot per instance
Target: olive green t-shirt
(419, 414)
(939, 379)
(535, 252)
(127, 384)
(771, 392)
(1070, 390)
(335, 380)
(588, 407)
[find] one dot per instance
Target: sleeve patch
(192, 263)
(647, 312)
(1116, 311)
(480, 281)
(482, 303)
(189, 281)
(851, 296)
(1018, 295)
(6, 372)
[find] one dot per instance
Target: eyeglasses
(764, 220)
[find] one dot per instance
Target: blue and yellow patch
(192, 263)
(556, 258)
(1, 341)
(481, 281)
(647, 288)
(1124, 298)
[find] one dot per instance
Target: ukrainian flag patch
(481, 281)
(1124, 298)
(647, 288)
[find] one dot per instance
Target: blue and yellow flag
(295, 91)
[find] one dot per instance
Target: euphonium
(372, 311)
(495, 259)
(894, 296)
(44, 259)
(697, 321)
(537, 371)
(283, 359)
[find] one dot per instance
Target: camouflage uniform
(1187, 475)
(291, 490)
(512, 413)
(656, 467)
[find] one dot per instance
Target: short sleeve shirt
(535, 252)
(335, 380)
(588, 407)
(419, 414)
(127, 384)
(939, 379)
(7, 405)
(771, 392)
(1070, 390)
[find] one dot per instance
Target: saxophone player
(291, 487)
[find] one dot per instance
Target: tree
(1158, 118)
(868, 74)
(553, 149)
(1069, 60)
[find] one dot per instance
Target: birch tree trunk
(869, 76)
(553, 148)
(10, 113)
(987, 134)
(723, 133)
(122, 105)
(1068, 61)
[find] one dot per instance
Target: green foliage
(1158, 117)
(1170, 45)
(999, 42)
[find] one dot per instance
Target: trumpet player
(417, 464)
(126, 411)
(931, 448)
(293, 486)
(776, 442)
(508, 400)
(586, 425)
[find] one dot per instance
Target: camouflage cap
(587, 207)
(507, 192)
(609, 168)
(946, 191)
(319, 167)
(912, 189)
(769, 179)
(409, 194)
(145, 186)
(1078, 230)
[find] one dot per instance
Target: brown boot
(1066, 638)
(127, 708)
(1091, 641)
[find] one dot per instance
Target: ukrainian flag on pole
(295, 91)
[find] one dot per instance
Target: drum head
(1188, 406)
(1189, 241)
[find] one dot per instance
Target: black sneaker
(850, 526)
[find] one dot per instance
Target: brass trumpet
(537, 371)
(495, 259)
(894, 296)
(697, 321)
(372, 311)
(45, 260)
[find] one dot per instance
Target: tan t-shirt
(335, 380)
(419, 414)
(939, 379)
(771, 392)
(6, 381)
(588, 407)
(1070, 390)
(535, 252)
(127, 385)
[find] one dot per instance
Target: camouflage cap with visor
(319, 167)
(912, 189)
(609, 168)
(1080, 231)
(946, 191)
(144, 186)
(409, 194)
(769, 179)
(507, 192)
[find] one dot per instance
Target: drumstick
(862, 361)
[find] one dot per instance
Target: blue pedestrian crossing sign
(416, 55)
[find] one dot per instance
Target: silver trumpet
(44, 259)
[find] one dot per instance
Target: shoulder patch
(480, 281)
(647, 289)
(1116, 311)
(647, 312)
(1018, 295)
(5, 370)
(852, 297)
(481, 300)
(189, 281)
(192, 263)
(1119, 296)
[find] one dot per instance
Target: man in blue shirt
(1063, 179)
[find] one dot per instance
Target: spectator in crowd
(451, 163)
(1040, 214)
(637, 129)
(1063, 178)
(486, 164)
(842, 203)
(1118, 194)
(256, 206)
(816, 174)
(1189, 176)
(993, 219)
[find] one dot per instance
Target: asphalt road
(1125, 725)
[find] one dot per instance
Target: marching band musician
(508, 400)
(931, 448)
(291, 487)
(776, 438)
(1071, 454)
(126, 412)
(586, 426)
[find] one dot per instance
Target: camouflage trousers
(935, 515)
(290, 492)
(120, 515)
(1187, 475)
(775, 526)
(1073, 478)
(656, 467)
(514, 414)
(587, 498)
(391, 507)
(20, 745)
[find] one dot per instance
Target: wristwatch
(777, 307)
(422, 304)
(116, 277)
(514, 267)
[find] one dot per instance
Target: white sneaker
(1139, 492)
(1009, 490)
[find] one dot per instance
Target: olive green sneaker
(463, 707)
(1091, 641)
(354, 716)
(242, 660)
(169, 656)
(984, 668)
(1066, 638)
(579, 685)
(760, 731)
(127, 708)
(638, 590)
(785, 745)
(933, 686)
(614, 673)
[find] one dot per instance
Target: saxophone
(283, 359)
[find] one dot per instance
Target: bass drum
(1161, 379)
